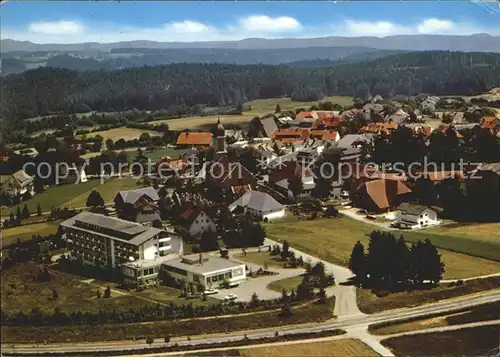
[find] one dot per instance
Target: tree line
(390, 264)
(52, 90)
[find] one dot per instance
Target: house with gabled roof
(259, 204)
(284, 172)
(268, 127)
(194, 221)
(187, 139)
(18, 184)
(140, 205)
(412, 216)
(378, 195)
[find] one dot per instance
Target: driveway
(345, 295)
(352, 213)
(259, 284)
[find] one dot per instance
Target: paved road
(439, 329)
(345, 295)
(349, 323)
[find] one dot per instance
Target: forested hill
(49, 90)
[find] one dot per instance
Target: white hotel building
(110, 242)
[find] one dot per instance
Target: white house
(206, 272)
(194, 222)
(259, 204)
(18, 184)
(413, 216)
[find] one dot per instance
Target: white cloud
(435, 26)
(262, 23)
(56, 27)
(187, 26)
(377, 28)
(69, 31)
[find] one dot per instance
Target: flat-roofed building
(109, 242)
(206, 272)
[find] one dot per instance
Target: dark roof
(256, 200)
(413, 208)
(116, 228)
(132, 196)
(269, 126)
(190, 213)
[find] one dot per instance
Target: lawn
(55, 196)
(187, 327)
(345, 347)
(108, 190)
(333, 240)
(26, 232)
(21, 292)
(477, 341)
(261, 107)
(481, 313)
(120, 133)
(370, 303)
(262, 258)
(288, 284)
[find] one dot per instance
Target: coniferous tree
(357, 262)
(95, 199)
(26, 212)
(19, 215)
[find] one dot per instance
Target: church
(224, 174)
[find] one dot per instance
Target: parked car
(230, 297)
(211, 291)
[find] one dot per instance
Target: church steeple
(220, 139)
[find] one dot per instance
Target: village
(277, 211)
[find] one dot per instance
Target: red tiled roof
(327, 122)
(190, 213)
(303, 115)
(379, 127)
(382, 193)
(490, 122)
(443, 175)
(324, 134)
(194, 138)
(291, 132)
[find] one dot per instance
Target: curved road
(349, 322)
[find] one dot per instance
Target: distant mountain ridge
(18, 61)
(469, 43)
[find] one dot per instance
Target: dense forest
(50, 90)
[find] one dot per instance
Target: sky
(187, 21)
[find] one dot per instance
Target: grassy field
(206, 122)
(120, 133)
(288, 284)
(345, 347)
(259, 107)
(55, 196)
(108, 190)
(477, 341)
(75, 195)
(20, 292)
(333, 239)
(26, 232)
(265, 106)
(480, 313)
(189, 327)
(370, 303)
(262, 258)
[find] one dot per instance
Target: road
(356, 323)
